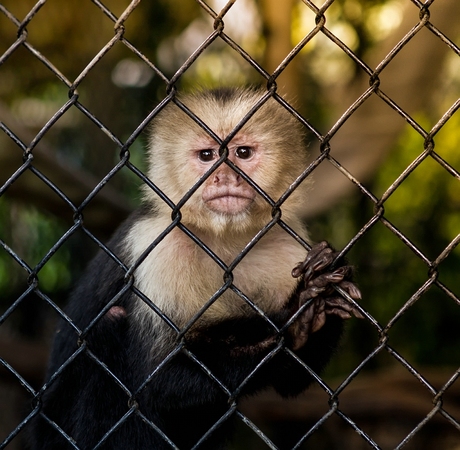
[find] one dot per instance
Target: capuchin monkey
(164, 339)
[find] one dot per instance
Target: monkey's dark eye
(206, 155)
(244, 152)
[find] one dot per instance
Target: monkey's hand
(319, 292)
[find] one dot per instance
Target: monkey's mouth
(228, 203)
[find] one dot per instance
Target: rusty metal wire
(421, 13)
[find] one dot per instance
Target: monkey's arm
(233, 348)
(316, 296)
(320, 311)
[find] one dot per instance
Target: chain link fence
(324, 398)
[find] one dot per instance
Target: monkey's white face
(268, 148)
(225, 191)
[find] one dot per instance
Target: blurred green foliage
(425, 207)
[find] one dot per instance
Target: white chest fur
(180, 278)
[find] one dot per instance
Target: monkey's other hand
(318, 288)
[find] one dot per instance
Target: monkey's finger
(323, 286)
(352, 290)
(314, 316)
(325, 290)
(335, 277)
(341, 307)
(338, 302)
(302, 328)
(301, 267)
(343, 272)
(323, 260)
(312, 319)
(318, 264)
(343, 314)
(339, 312)
(309, 312)
(311, 292)
(318, 322)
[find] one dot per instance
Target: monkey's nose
(226, 175)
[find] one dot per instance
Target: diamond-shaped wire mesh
(42, 170)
